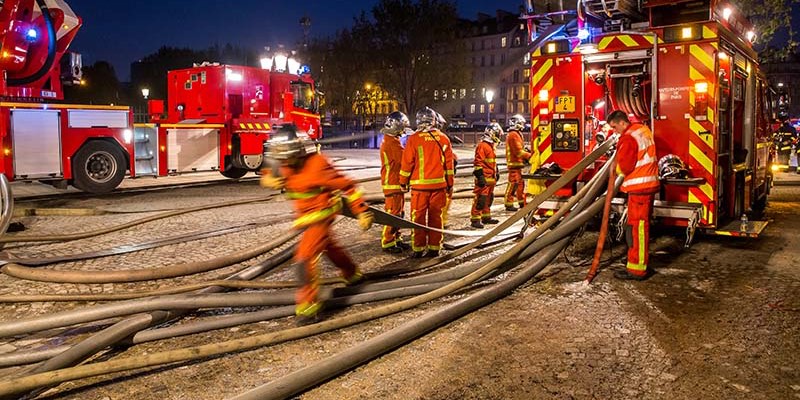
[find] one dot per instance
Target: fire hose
(37, 380)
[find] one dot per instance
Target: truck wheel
(98, 167)
(233, 172)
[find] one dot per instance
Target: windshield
(304, 96)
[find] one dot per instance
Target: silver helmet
(516, 122)
(287, 144)
(396, 123)
(426, 118)
(492, 133)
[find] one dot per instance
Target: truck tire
(98, 167)
(233, 172)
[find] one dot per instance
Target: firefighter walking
(516, 158)
(317, 191)
(636, 160)
(394, 196)
(427, 168)
(486, 175)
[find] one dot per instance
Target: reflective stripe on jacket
(485, 160)
(427, 161)
(391, 158)
(515, 150)
(316, 189)
(643, 176)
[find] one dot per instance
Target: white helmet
(516, 122)
(426, 118)
(396, 123)
(492, 133)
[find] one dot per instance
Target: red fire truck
(218, 117)
(87, 146)
(685, 68)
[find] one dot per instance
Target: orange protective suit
(516, 156)
(484, 195)
(317, 191)
(428, 168)
(391, 159)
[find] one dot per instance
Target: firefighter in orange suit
(636, 160)
(516, 158)
(428, 168)
(391, 157)
(486, 174)
(317, 191)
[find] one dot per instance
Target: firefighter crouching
(486, 175)
(428, 168)
(391, 158)
(636, 160)
(516, 158)
(317, 191)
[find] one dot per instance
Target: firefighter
(317, 190)
(427, 168)
(516, 158)
(486, 174)
(394, 197)
(636, 160)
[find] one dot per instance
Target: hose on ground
(26, 383)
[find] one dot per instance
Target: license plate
(565, 104)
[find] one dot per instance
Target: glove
(481, 181)
(497, 175)
(365, 220)
(455, 165)
(272, 182)
(404, 188)
(449, 191)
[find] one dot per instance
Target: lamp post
(489, 94)
(145, 93)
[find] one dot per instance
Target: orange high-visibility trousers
(393, 204)
(637, 232)
(315, 240)
(482, 203)
(427, 208)
(515, 192)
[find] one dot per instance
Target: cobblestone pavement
(718, 321)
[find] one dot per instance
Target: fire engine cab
(687, 69)
(85, 145)
(218, 117)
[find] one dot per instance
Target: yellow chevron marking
(249, 126)
(723, 233)
(241, 125)
(541, 72)
(708, 190)
(708, 33)
(715, 45)
(628, 41)
(697, 128)
(711, 115)
(604, 42)
(704, 58)
(701, 158)
(694, 199)
(710, 217)
(537, 52)
(546, 154)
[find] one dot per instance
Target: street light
(489, 96)
(145, 93)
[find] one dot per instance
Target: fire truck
(85, 145)
(687, 69)
(218, 117)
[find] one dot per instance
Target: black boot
(476, 224)
(489, 221)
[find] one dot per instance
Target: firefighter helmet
(395, 124)
(426, 118)
(492, 133)
(288, 144)
(440, 121)
(671, 166)
(516, 122)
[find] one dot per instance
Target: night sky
(123, 31)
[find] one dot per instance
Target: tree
(419, 48)
(772, 18)
(100, 86)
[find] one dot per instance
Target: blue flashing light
(583, 34)
(304, 69)
(31, 34)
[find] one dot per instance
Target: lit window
(462, 93)
(526, 73)
(483, 108)
(435, 95)
(472, 108)
(503, 41)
